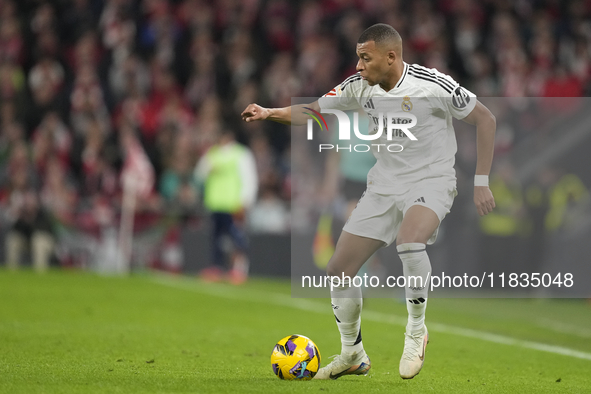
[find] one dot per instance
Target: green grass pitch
(74, 332)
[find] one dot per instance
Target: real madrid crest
(406, 104)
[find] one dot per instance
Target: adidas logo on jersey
(420, 199)
(369, 104)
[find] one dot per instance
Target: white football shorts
(379, 216)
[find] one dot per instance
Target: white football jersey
(422, 95)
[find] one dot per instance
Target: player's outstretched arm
(294, 115)
(486, 126)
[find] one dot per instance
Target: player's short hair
(380, 33)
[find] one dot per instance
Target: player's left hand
(483, 199)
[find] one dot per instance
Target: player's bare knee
(410, 238)
(333, 268)
(337, 267)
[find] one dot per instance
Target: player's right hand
(255, 112)
(484, 200)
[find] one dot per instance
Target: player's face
(373, 62)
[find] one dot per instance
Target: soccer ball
(295, 357)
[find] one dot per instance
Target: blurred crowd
(80, 77)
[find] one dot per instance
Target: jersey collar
(403, 76)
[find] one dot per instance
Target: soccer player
(408, 193)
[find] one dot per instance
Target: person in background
(227, 172)
(29, 225)
(501, 229)
(179, 190)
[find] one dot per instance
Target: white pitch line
(235, 293)
(564, 328)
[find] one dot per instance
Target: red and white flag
(138, 172)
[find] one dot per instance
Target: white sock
(415, 262)
(346, 305)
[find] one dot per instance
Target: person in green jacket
(227, 172)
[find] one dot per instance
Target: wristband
(481, 180)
